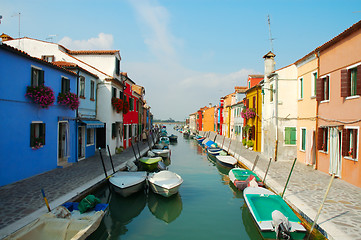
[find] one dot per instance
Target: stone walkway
(22, 202)
(341, 214)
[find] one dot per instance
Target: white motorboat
(227, 161)
(165, 183)
(127, 183)
(161, 152)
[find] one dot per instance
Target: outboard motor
(281, 225)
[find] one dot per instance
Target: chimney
(269, 64)
(210, 105)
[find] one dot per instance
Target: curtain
(334, 153)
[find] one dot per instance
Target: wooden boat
(240, 178)
(213, 152)
(274, 218)
(164, 141)
(165, 183)
(173, 138)
(209, 144)
(127, 183)
(62, 224)
(200, 140)
(227, 161)
(150, 163)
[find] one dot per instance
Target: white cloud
(102, 42)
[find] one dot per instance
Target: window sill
(92, 99)
(312, 97)
(352, 97)
(351, 159)
(90, 144)
(81, 97)
(300, 99)
(301, 150)
(321, 151)
(325, 101)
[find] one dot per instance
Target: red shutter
(253, 132)
(319, 89)
(247, 103)
(319, 138)
(358, 84)
(345, 83)
(345, 142)
(354, 144)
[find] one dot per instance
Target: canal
(206, 207)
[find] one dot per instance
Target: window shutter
(253, 132)
(319, 138)
(41, 78)
(354, 143)
(254, 101)
(113, 130)
(358, 84)
(287, 136)
(319, 89)
(325, 139)
(327, 90)
(32, 137)
(42, 132)
(32, 76)
(345, 83)
(345, 142)
(293, 136)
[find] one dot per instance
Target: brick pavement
(341, 214)
(22, 201)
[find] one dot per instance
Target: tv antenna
(1, 17)
(270, 34)
(51, 37)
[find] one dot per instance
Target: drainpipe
(276, 116)
(317, 105)
(77, 118)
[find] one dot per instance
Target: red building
(130, 117)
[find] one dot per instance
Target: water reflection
(249, 224)
(165, 209)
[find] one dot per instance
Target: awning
(93, 123)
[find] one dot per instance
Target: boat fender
(281, 225)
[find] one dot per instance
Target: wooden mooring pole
(101, 157)
(111, 160)
(289, 176)
(255, 163)
(269, 163)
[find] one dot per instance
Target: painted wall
(307, 110)
(18, 159)
(339, 108)
(208, 119)
(254, 96)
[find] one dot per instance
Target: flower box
(69, 99)
(42, 95)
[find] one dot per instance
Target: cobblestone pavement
(340, 217)
(22, 198)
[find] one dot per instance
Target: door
(63, 141)
(100, 137)
(81, 142)
(335, 152)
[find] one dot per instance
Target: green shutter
(290, 136)
(303, 146)
(32, 137)
(41, 78)
(293, 136)
(42, 132)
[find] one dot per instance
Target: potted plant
(68, 99)
(250, 144)
(42, 95)
(38, 143)
(244, 141)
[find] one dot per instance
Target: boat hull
(240, 178)
(165, 192)
(165, 183)
(226, 161)
(128, 183)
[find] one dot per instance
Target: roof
(24, 54)
(269, 55)
(70, 65)
(240, 89)
(341, 36)
(255, 76)
(92, 52)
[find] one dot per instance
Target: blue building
(35, 136)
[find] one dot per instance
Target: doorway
(81, 143)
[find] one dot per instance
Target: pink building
(338, 91)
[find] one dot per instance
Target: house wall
(104, 62)
(307, 110)
(18, 159)
(257, 120)
(338, 108)
(208, 120)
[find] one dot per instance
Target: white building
(193, 122)
(279, 111)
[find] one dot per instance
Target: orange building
(208, 119)
(338, 91)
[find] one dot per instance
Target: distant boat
(63, 223)
(150, 163)
(173, 138)
(160, 152)
(274, 218)
(165, 183)
(227, 161)
(214, 152)
(164, 141)
(127, 183)
(240, 178)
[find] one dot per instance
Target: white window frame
(313, 84)
(329, 88)
(358, 140)
(301, 92)
(91, 136)
(82, 86)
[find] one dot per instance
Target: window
(350, 142)
(114, 92)
(114, 130)
(300, 85)
(303, 139)
(322, 136)
(117, 66)
(131, 104)
(290, 135)
(37, 77)
(82, 87)
(249, 84)
(121, 96)
(130, 131)
(271, 93)
(65, 85)
(90, 136)
(323, 89)
(92, 90)
(48, 58)
(351, 82)
(37, 134)
(314, 84)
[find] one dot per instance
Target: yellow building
(208, 119)
(227, 115)
(307, 68)
(253, 114)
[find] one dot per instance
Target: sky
(186, 53)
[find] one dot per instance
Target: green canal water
(206, 207)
